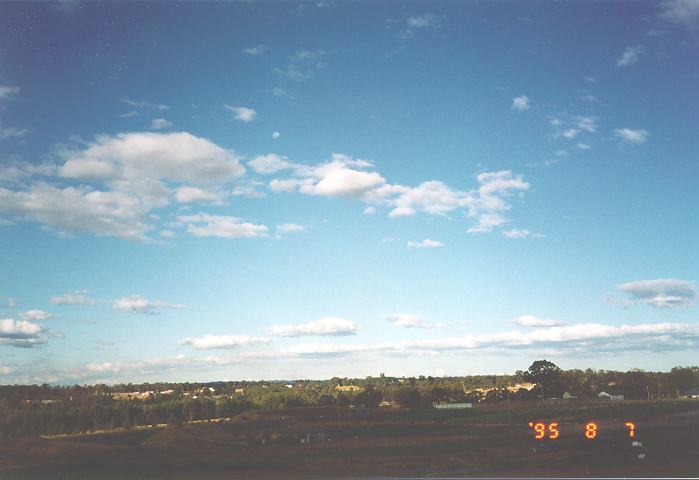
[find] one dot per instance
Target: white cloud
(178, 156)
(587, 124)
(270, 163)
(369, 210)
(73, 210)
(244, 114)
(275, 135)
(207, 342)
(8, 91)
(532, 321)
(160, 124)
(631, 56)
(198, 195)
(325, 327)
(629, 135)
(342, 176)
(143, 104)
(73, 297)
(130, 114)
(684, 12)
(418, 22)
(520, 103)
(205, 225)
(302, 65)
(405, 320)
(36, 315)
(22, 333)
(517, 233)
(570, 133)
(583, 146)
(256, 50)
(661, 293)
(426, 243)
(12, 132)
(487, 222)
(139, 304)
(279, 92)
(288, 185)
(285, 228)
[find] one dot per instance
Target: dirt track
(393, 444)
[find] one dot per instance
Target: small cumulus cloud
(145, 105)
(275, 135)
(426, 243)
(631, 56)
(222, 226)
(208, 342)
(631, 136)
(270, 163)
(256, 50)
(682, 12)
(244, 114)
(521, 233)
(661, 293)
(36, 315)
(532, 321)
(139, 304)
(73, 297)
(160, 124)
(324, 327)
(284, 228)
(520, 103)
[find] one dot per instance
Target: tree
(546, 375)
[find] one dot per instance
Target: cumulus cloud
(256, 50)
(79, 209)
(661, 293)
(405, 320)
(532, 321)
(144, 104)
(205, 225)
(270, 163)
(520, 103)
(682, 12)
(139, 304)
(160, 124)
(419, 22)
(325, 327)
(284, 228)
(178, 156)
(199, 195)
(302, 65)
(342, 176)
(11, 132)
(345, 176)
(275, 135)
(631, 56)
(73, 297)
(521, 233)
(244, 114)
(631, 136)
(22, 333)
(36, 315)
(207, 342)
(426, 243)
(8, 91)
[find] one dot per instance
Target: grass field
(488, 440)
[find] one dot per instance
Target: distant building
(692, 393)
(349, 388)
(452, 406)
(609, 396)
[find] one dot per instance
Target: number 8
(591, 430)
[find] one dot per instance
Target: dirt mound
(205, 436)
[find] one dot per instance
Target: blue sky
(303, 190)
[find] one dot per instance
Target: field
(492, 440)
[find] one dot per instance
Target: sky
(261, 190)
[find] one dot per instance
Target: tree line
(28, 410)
